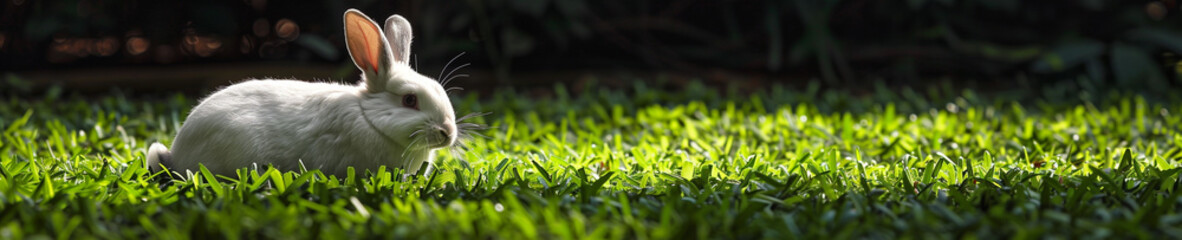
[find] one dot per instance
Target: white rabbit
(395, 117)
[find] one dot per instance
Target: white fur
(156, 153)
(286, 123)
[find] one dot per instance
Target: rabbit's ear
(398, 36)
(367, 46)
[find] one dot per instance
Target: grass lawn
(634, 164)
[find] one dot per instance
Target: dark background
(1045, 49)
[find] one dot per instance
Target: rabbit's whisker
(469, 134)
(449, 77)
(470, 126)
(416, 132)
(454, 77)
(411, 146)
(455, 152)
(471, 115)
(453, 59)
(466, 130)
(406, 164)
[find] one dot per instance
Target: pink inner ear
(368, 46)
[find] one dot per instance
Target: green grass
(634, 164)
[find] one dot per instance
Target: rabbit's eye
(410, 101)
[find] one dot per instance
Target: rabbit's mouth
(432, 136)
(435, 135)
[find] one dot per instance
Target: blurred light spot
(60, 51)
(287, 29)
(106, 46)
(59, 45)
(63, 49)
(207, 46)
(247, 44)
(261, 27)
(79, 47)
(1156, 10)
(190, 37)
(18, 2)
(213, 43)
(137, 45)
(2, 38)
(194, 44)
(201, 46)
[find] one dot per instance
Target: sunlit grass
(634, 164)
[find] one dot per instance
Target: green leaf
(542, 170)
(214, 184)
(19, 122)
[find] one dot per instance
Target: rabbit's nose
(447, 132)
